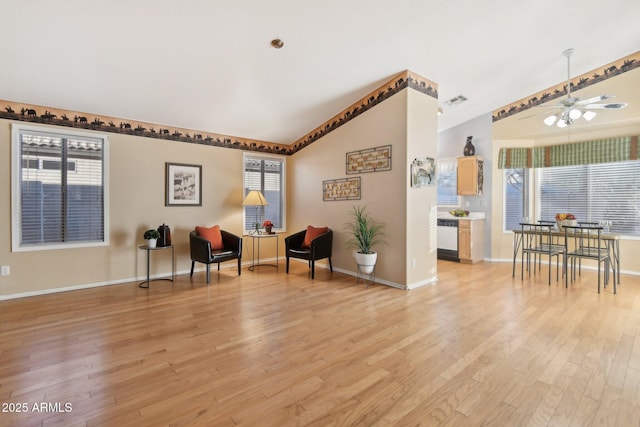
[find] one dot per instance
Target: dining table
(611, 240)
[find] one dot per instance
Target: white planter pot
(151, 243)
(366, 262)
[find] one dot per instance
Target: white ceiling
(208, 65)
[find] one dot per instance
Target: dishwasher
(448, 239)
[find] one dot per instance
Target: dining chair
(557, 240)
(585, 242)
(538, 240)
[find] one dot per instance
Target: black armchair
(201, 250)
(320, 248)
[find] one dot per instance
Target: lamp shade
(255, 198)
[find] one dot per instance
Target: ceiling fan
(572, 108)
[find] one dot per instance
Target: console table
(145, 284)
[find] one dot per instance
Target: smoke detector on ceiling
(456, 101)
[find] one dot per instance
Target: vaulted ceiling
(208, 65)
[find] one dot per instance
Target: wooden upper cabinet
(470, 176)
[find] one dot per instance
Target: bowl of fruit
(459, 213)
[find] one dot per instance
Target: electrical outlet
(5, 270)
(413, 262)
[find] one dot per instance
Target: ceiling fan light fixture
(575, 113)
(549, 121)
(572, 108)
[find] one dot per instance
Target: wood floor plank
(568, 407)
(266, 348)
(607, 412)
(525, 412)
(553, 396)
(490, 393)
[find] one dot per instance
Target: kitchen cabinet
(470, 176)
(470, 241)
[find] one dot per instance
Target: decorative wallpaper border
(598, 75)
(67, 118)
(388, 89)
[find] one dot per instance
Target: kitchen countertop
(472, 215)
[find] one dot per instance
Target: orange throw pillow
(312, 233)
(213, 235)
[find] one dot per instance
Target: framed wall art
(370, 160)
(423, 172)
(183, 185)
(341, 189)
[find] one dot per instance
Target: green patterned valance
(607, 150)
(514, 158)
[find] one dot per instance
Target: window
(266, 174)
(604, 191)
(59, 189)
(447, 182)
(516, 198)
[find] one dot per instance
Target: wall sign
(370, 160)
(341, 189)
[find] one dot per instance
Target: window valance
(607, 150)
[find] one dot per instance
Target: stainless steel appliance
(448, 239)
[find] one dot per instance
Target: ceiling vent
(456, 101)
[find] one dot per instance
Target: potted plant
(365, 232)
(268, 225)
(151, 236)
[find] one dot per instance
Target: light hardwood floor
(271, 349)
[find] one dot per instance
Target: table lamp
(255, 198)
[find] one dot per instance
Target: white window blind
(604, 191)
(516, 198)
(59, 189)
(266, 174)
(447, 182)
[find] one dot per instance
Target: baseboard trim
(114, 282)
(389, 283)
(430, 281)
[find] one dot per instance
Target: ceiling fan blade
(531, 115)
(594, 99)
(607, 106)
